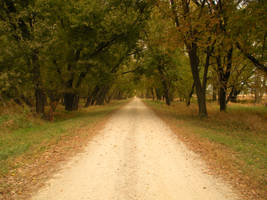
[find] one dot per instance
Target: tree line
(222, 42)
(58, 51)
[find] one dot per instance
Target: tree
(248, 28)
(58, 45)
(191, 20)
(23, 23)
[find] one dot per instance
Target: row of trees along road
(223, 42)
(54, 50)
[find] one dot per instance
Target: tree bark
(152, 92)
(167, 99)
(222, 99)
(88, 101)
(91, 97)
(100, 99)
(188, 102)
(40, 98)
(224, 77)
(158, 94)
(40, 101)
(200, 91)
(233, 95)
(71, 101)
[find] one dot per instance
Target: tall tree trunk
(233, 95)
(222, 98)
(158, 94)
(166, 88)
(94, 95)
(192, 47)
(201, 92)
(259, 87)
(167, 99)
(166, 93)
(152, 92)
(188, 102)
(100, 99)
(224, 77)
(40, 97)
(88, 101)
(91, 97)
(71, 101)
(40, 101)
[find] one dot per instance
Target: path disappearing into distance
(135, 157)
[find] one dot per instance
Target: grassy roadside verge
(31, 148)
(233, 144)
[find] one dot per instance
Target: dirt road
(135, 157)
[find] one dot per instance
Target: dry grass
(233, 144)
(31, 149)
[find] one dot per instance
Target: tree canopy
(55, 51)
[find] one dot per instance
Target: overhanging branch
(255, 61)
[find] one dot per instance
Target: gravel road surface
(135, 157)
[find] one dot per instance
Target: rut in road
(135, 157)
